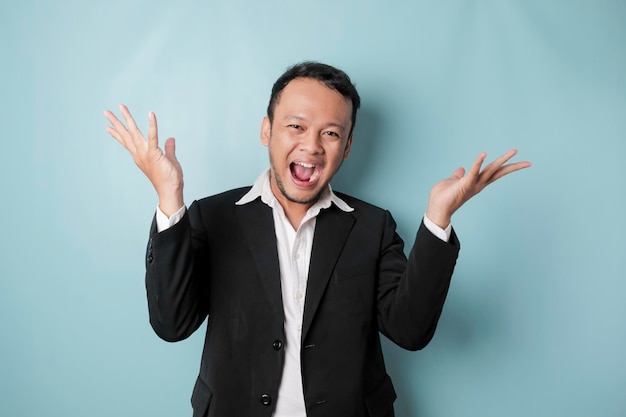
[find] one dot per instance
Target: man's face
(307, 140)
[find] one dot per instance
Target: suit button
(149, 258)
(277, 345)
(265, 399)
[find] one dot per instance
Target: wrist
(439, 217)
(171, 202)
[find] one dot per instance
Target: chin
(308, 198)
(291, 192)
(296, 195)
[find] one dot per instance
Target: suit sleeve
(411, 294)
(176, 262)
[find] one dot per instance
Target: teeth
(304, 164)
(316, 172)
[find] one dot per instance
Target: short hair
(330, 76)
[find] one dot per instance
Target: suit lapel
(257, 224)
(331, 231)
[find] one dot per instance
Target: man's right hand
(162, 169)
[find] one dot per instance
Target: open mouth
(304, 174)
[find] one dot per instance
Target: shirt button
(299, 295)
(265, 399)
(297, 256)
(277, 345)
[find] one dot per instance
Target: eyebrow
(331, 124)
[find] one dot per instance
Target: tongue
(302, 173)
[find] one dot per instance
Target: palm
(162, 168)
(449, 194)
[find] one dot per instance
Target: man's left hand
(448, 195)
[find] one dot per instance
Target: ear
(266, 131)
(346, 151)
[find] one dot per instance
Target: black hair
(330, 76)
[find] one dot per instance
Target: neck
(294, 211)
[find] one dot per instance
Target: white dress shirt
(294, 256)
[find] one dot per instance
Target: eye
(332, 134)
(295, 126)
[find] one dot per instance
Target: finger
(110, 116)
(458, 173)
(136, 137)
(507, 169)
(153, 139)
(492, 171)
(130, 122)
(118, 130)
(499, 162)
(504, 158)
(170, 148)
(117, 125)
(114, 134)
(475, 169)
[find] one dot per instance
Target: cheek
(340, 153)
(279, 152)
(346, 149)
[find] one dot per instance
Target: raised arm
(162, 168)
(448, 195)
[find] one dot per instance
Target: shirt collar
(262, 188)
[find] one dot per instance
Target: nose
(311, 142)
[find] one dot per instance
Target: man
(296, 280)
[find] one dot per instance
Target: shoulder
(360, 206)
(216, 210)
(366, 213)
(372, 224)
(226, 199)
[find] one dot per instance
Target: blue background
(535, 320)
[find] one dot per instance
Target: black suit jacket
(220, 261)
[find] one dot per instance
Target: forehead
(312, 96)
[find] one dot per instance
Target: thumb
(458, 173)
(170, 148)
